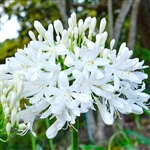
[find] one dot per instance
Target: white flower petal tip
(102, 25)
(52, 130)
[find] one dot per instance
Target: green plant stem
(112, 138)
(123, 133)
(4, 141)
(33, 142)
(51, 145)
(75, 140)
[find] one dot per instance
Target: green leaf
(89, 147)
(141, 138)
(147, 112)
(2, 119)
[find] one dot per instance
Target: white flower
(89, 59)
(28, 116)
(64, 76)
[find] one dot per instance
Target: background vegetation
(128, 21)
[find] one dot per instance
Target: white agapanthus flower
(65, 76)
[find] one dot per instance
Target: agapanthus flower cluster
(64, 76)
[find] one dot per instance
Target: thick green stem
(33, 142)
(51, 145)
(75, 140)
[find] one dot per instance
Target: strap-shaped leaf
(2, 119)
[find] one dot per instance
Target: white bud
(40, 37)
(69, 31)
(13, 116)
(80, 25)
(17, 105)
(87, 23)
(77, 52)
(50, 28)
(5, 91)
(58, 38)
(102, 25)
(105, 53)
(70, 23)
(123, 45)
(4, 105)
(8, 128)
(93, 24)
(3, 99)
(20, 87)
(39, 27)
(99, 39)
(68, 61)
(32, 36)
(49, 35)
(13, 99)
(65, 37)
(6, 111)
(105, 35)
(22, 126)
(18, 118)
(112, 43)
(58, 26)
(73, 19)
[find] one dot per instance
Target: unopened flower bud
(40, 37)
(3, 99)
(39, 27)
(122, 46)
(13, 116)
(105, 35)
(102, 25)
(49, 35)
(58, 26)
(58, 38)
(20, 87)
(80, 25)
(13, 99)
(17, 105)
(5, 91)
(32, 36)
(65, 37)
(6, 112)
(68, 61)
(93, 24)
(87, 23)
(105, 53)
(50, 28)
(8, 128)
(70, 23)
(73, 19)
(18, 118)
(112, 43)
(99, 39)
(5, 105)
(22, 126)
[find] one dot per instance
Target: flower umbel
(62, 78)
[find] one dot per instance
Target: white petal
(106, 116)
(61, 49)
(136, 109)
(52, 130)
(100, 92)
(39, 27)
(94, 52)
(68, 61)
(63, 80)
